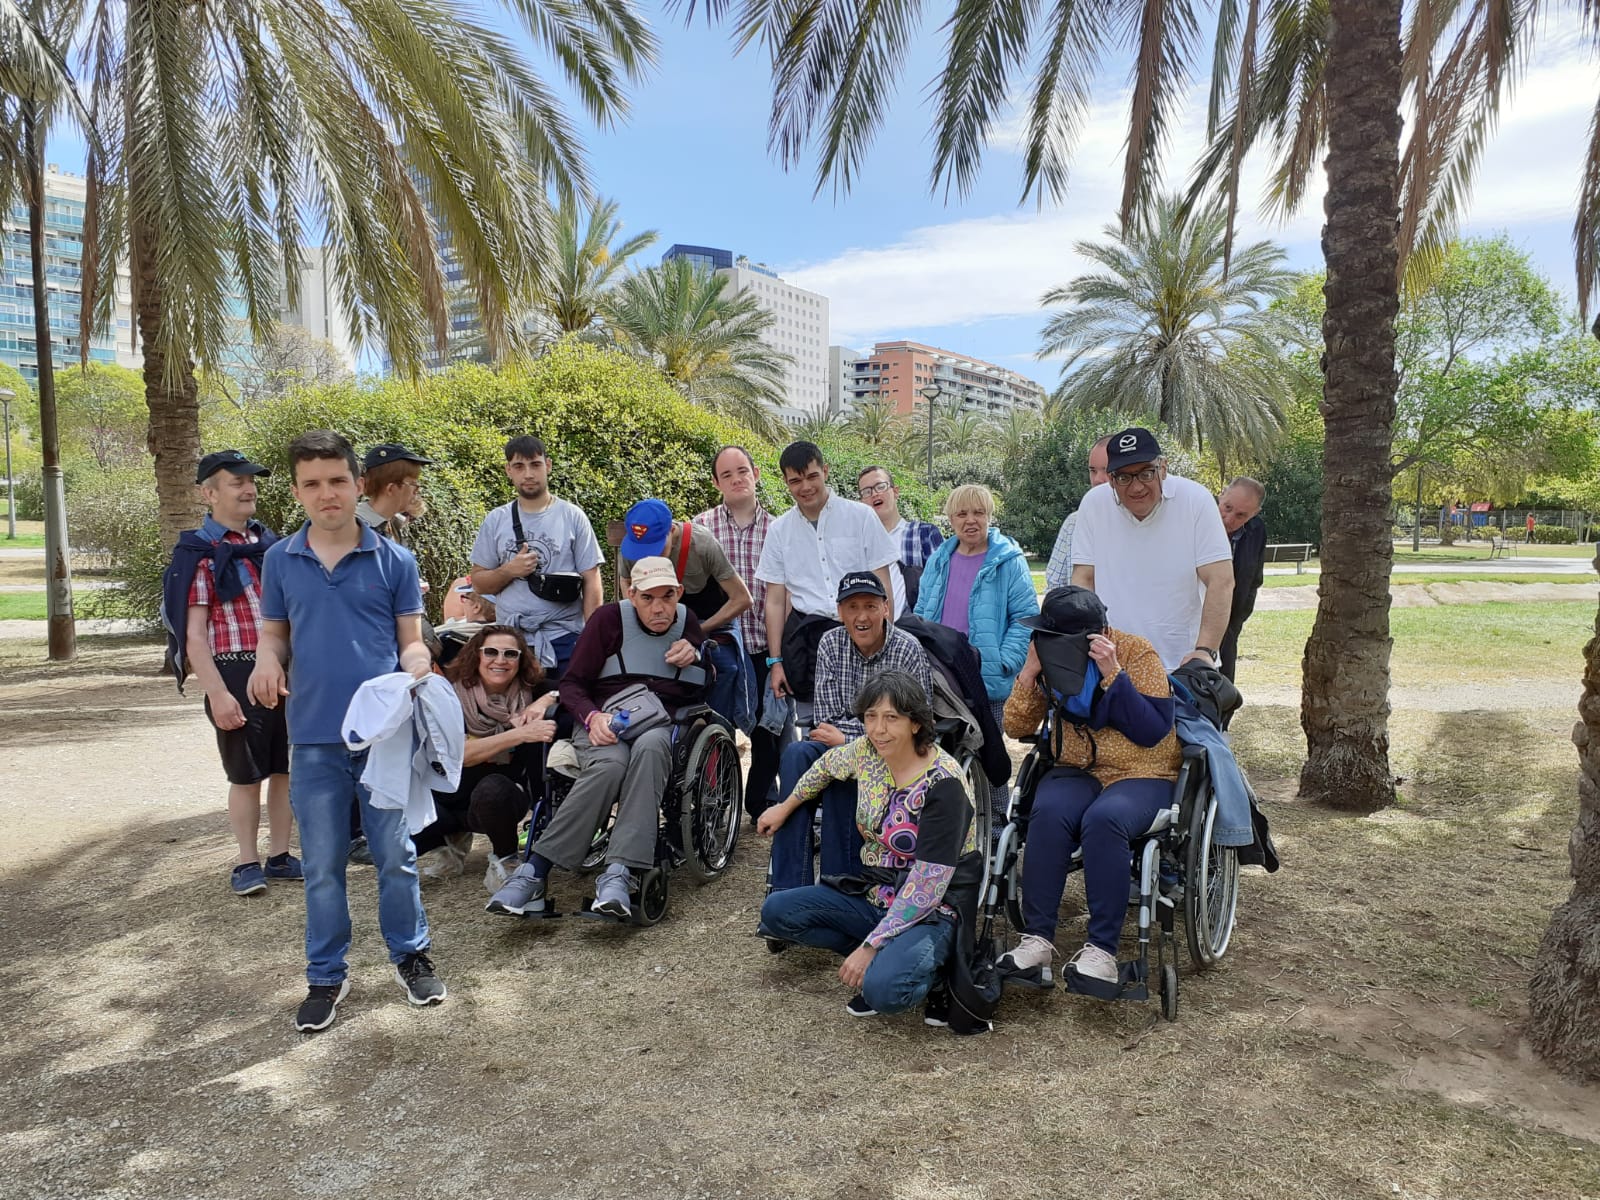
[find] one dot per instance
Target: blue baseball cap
(646, 528)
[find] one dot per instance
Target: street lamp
(6, 397)
(931, 393)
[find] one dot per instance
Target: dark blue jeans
(720, 698)
(1071, 810)
(905, 968)
(792, 845)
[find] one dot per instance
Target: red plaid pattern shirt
(743, 548)
(233, 627)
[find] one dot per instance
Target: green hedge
(1554, 535)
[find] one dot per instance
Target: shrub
(1449, 535)
(1293, 479)
(1554, 535)
(28, 492)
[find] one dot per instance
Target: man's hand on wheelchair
(828, 735)
(681, 654)
(600, 733)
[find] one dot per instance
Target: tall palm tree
(411, 135)
(875, 422)
(1162, 330)
(586, 261)
(707, 343)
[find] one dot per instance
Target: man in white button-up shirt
(811, 547)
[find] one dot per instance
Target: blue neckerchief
(215, 532)
(1080, 704)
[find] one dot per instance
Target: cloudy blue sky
(894, 261)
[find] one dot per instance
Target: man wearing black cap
(391, 490)
(1153, 547)
(211, 605)
(847, 657)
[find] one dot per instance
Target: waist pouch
(558, 587)
(644, 708)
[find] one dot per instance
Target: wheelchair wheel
(982, 794)
(650, 905)
(713, 802)
(1169, 991)
(1211, 888)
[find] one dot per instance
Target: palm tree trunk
(1564, 993)
(62, 638)
(172, 397)
(1345, 690)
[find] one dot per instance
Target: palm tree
(875, 423)
(818, 424)
(585, 263)
(1012, 435)
(708, 344)
(414, 137)
(1161, 330)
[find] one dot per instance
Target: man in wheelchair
(642, 655)
(1116, 759)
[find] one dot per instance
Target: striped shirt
(233, 626)
(743, 546)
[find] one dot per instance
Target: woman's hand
(536, 710)
(537, 731)
(1104, 652)
(854, 969)
(770, 821)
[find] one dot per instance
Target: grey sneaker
(522, 892)
(611, 891)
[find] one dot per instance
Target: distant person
(462, 603)
(1240, 509)
(1153, 548)
(341, 605)
(391, 486)
(1058, 571)
(538, 557)
(211, 602)
(917, 539)
(1528, 537)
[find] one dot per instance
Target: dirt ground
(1360, 1040)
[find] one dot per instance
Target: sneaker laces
(418, 964)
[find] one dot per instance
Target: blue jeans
(792, 845)
(562, 648)
(323, 780)
(906, 966)
(1070, 809)
(725, 659)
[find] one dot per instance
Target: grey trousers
(636, 771)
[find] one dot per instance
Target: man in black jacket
(1240, 507)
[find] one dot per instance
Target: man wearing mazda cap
(1153, 548)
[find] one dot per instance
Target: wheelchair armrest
(690, 713)
(944, 727)
(1193, 752)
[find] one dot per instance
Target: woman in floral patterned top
(895, 921)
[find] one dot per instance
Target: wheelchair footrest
(1130, 983)
(586, 909)
(546, 911)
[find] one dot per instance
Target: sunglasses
(496, 652)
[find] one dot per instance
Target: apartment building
(897, 372)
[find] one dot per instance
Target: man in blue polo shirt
(343, 605)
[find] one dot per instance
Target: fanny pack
(644, 708)
(558, 587)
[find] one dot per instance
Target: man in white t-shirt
(808, 550)
(1154, 549)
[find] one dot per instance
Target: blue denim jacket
(1233, 826)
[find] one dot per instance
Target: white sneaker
(442, 863)
(1095, 963)
(500, 872)
(1029, 961)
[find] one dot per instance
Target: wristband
(772, 662)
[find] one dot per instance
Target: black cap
(861, 583)
(1130, 446)
(227, 460)
(1069, 609)
(391, 452)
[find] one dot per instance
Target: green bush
(1554, 535)
(28, 491)
(111, 521)
(1049, 482)
(847, 458)
(1293, 479)
(1449, 535)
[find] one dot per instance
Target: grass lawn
(22, 606)
(1487, 576)
(1481, 550)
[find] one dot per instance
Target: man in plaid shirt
(917, 539)
(740, 526)
(222, 629)
(846, 658)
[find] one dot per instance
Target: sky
(895, 262)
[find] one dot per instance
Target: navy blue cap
(227, 460)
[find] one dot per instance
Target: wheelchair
(1176, 864)
(698, 821)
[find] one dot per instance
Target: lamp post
(6, 397)
(931, 393)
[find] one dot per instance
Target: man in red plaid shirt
(221, 632)
(740, 524)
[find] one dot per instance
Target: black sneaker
(415, 974)
(936, 1010)
(320, 1006)
(360, 854)
(858, 1007)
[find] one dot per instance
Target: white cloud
(982, 268)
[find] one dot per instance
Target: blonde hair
(969, 495)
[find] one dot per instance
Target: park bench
(1501, 548)
(1299, 553)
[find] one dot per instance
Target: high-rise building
(841, 380)
(319, 312)
(799, 324)
(897, 372)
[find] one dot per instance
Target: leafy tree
(875, 423)
(587, 260)
(1163, 330)
(707, 343)
(103, 413)
(288, 357)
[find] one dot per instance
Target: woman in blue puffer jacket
(978, 584)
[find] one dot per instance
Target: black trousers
(489, 801)
(765, 748)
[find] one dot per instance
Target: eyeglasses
(496, 652)
(1124, 479)
(872, 490)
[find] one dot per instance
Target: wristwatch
(1211, 653)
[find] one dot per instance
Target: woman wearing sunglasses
(506, 702)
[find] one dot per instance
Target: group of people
(792, 627)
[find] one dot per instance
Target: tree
(287, 357)
(413, 135)
(586, 261)
(875, 423)
(1161, 330)
(103, 412)
(707, 343)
